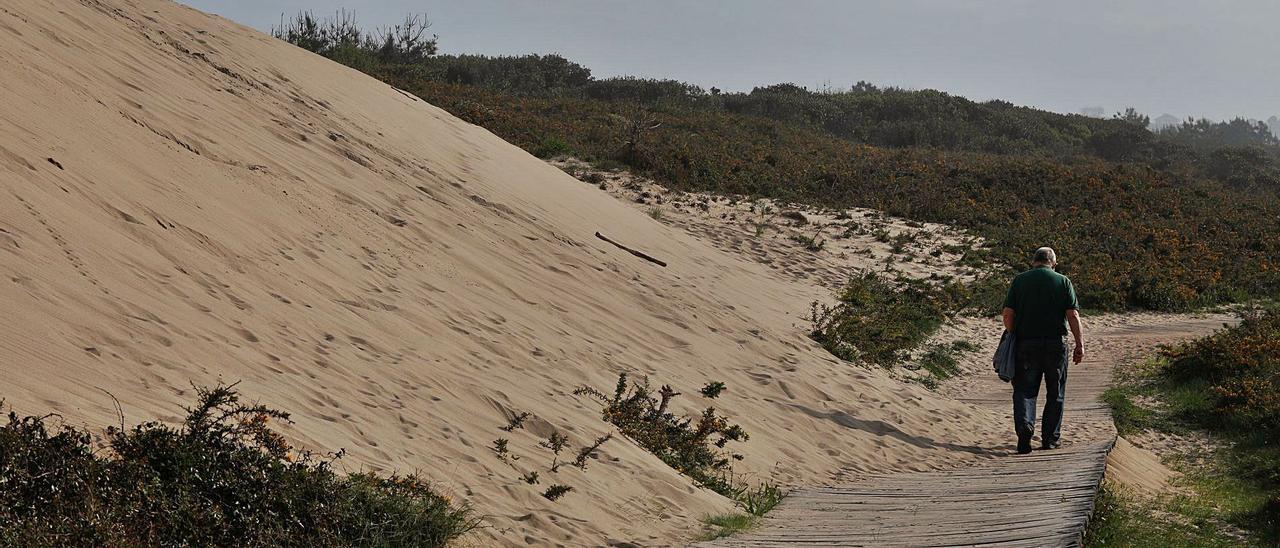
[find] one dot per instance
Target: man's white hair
(1045, 255)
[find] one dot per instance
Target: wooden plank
(1042, 499)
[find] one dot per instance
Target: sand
(188, 201)
(816, 246)
(1138, 468)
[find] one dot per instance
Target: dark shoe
(1051, 445)
(1024, 446)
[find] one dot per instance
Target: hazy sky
(1218, 59)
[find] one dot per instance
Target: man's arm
(1008, 319)
(1073, 319)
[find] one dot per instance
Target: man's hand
(1073, 319)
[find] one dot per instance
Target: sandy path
(976, 503)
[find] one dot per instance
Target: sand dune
(847, 240)
(187, 200)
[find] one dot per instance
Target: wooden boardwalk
(1041, 499)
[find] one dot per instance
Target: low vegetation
(554, 492)
(555, 443)
(759, 499)
(1223, 386)
(1130, 236)
(941, 362)
(723, 525)
(755, 502)
(1238, 370)
(1124, 518)
(863, 112)
(695, 447)
(342, 39)
(221, 478)
(879, 321)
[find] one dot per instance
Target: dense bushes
(882, 322)
(1204, 135)
(1241, 369)
(223, 478)
(1153, 234)
(1128, 235)
(863, 113)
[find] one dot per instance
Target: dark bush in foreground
(222, 478)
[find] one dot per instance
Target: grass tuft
(1129, 418)
(758, 500)
(727, 524)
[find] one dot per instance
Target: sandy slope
(847, 241)
(187, 200)
(1138, 468)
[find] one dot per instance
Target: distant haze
(1216, 59)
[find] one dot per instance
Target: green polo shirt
(1040, 299)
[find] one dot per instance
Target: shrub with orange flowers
(1242, 368)
(1229, 385)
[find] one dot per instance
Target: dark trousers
(1040, 359)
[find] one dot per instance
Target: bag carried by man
(1005, 360)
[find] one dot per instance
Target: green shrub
(221, 478)
(713, 389)
(1224, 385)
(940, 361)
(694, 447)
(1241, 367)
(554, 492)
(758, 500)
(1229, 384)
(875, 322)
(552, 147)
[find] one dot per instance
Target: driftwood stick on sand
(642, 255)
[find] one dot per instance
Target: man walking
(1040, 305)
